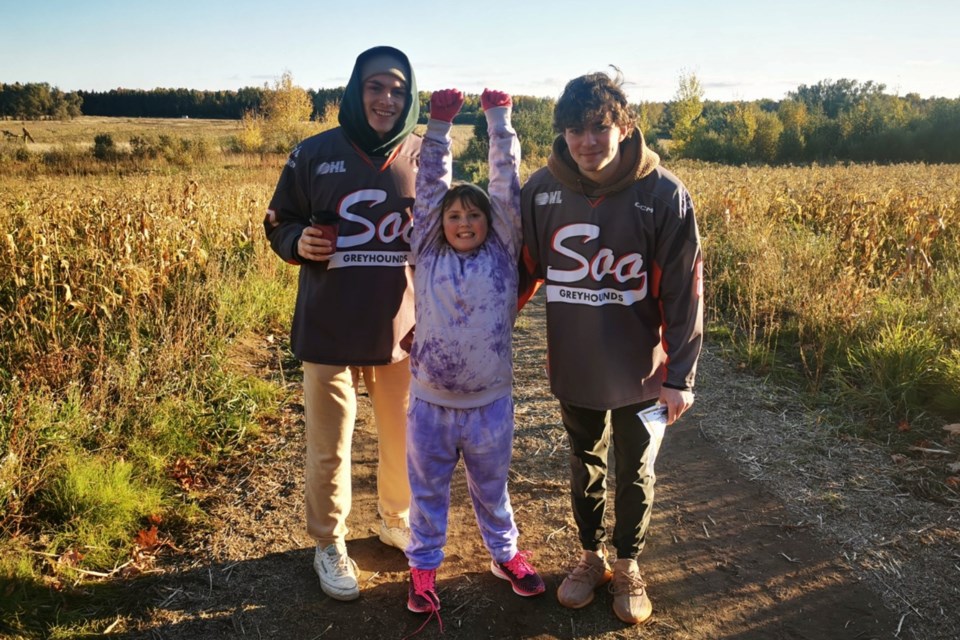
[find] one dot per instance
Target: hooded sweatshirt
(356, 308)
(621, 265)
(466, 301)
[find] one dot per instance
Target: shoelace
(630, 584)
(519, 564)
(341, 561)
(423, 586)
(586, 573)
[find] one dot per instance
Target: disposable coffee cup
(328, 223)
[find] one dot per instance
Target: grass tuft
(893, 374)
(96, 503)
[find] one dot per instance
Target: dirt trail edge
(743, 543)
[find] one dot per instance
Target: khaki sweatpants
(330, 410)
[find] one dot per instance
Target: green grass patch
(894, 373)
(95, 504)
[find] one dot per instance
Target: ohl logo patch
(552, 197)
(337, 166)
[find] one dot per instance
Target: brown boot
(630, 600)
(576, 591)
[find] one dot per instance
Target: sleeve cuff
(438, 130)
(498, 117)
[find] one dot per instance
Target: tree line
(825, 122)
(843, 120)
(191, 103)
(36, 101)
(828, 121)
(39, 101)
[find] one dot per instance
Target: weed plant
(846, 278)
(121, 298)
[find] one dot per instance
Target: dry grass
(119, 296)
(81, 131)
(118, 292)
(810, 271)
(461, 134)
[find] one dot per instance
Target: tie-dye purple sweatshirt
(466, 303)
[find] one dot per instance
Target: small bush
(250, 139)
(144, 148)
(184, 152)
(892, 374)
(947, 398)
(104, 147)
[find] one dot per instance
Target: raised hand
(491, 98)
(445, 104)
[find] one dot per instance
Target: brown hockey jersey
(356, 308)
(623, 281)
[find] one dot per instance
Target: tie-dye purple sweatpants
(436, 437)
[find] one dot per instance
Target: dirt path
(725, 557)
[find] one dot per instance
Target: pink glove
(491, 98)
(445, 104)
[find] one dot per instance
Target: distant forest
(843, 120)
(38, 101)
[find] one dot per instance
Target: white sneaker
(338, 573)
(398, 537)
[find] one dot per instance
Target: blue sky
(739, 49)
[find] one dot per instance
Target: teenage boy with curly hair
(614, 239)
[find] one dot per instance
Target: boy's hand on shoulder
(491, 98)
(445, 104)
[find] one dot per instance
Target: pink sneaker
(521, 574)
(422, 596)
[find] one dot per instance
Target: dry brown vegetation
(127, 299)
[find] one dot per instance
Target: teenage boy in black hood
(341, 211)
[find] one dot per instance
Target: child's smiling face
(464, 226)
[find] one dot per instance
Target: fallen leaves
(146, 544)
(70, 558)
(148, 539)
(186, 474)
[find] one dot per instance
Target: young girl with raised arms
(466, 246)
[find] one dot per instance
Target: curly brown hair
(592, 97)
